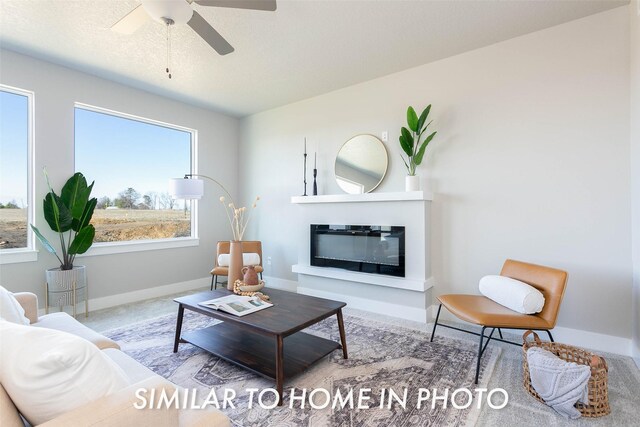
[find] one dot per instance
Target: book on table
(237, 305)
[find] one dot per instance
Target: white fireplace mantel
(407, 297)
(399, 196)
(373, 279)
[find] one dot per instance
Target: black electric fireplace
(375, 249)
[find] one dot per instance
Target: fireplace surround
(408, 296)
(376, 249)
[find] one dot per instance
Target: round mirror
(361, 164)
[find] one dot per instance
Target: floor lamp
(191, 187)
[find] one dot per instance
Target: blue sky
(119, 153)
(115, 152)
(14, 128)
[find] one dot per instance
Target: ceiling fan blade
(133, 20)
(209, 34)
(269, 5)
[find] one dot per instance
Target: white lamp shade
(183, 188)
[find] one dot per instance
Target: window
(16, 207)
(131, 160)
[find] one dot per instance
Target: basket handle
(536, 338)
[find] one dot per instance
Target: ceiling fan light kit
(180, 12)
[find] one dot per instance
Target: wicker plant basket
(598, 395)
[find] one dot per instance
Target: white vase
(235, 263)
(64, 280)
(412, 183)
(66, 287)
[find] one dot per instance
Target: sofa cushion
(207, 417)
(63, 322)
(10, 308)
(9, 416)
(134, 370)
(119, 409)
(47, 372)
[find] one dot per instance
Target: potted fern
(410, 141)
(68, 214)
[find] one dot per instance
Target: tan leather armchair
(248, 246)
(482, 311)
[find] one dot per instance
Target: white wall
(531, 161)
(634, 21)
(56, 89)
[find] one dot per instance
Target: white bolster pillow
(513, 294)
(249, 258)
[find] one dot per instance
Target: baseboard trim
(577, 337)
(403, 312)
(140, 295)
(282, 284)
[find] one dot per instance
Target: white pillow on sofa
(513, 294)
(10, 308)
(47, 372)
(248, 258)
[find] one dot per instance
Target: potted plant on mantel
(70, 213)
(410, 143)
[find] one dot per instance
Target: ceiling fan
(177, 12)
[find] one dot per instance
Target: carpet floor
(522, 410)
(381, 356)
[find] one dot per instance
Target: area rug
(381, 356)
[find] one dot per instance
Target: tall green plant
(410, 138)
(70, 212)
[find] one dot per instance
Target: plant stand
(65, 287)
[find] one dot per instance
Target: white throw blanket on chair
(559, 383)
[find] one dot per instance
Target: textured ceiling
(305, 48)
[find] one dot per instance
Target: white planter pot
(61, 284)
(412, 183)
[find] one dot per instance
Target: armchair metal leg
(213, 278)
(261, 275)
(435, 323)
(550, 336)
(479, 354)
(500, 332)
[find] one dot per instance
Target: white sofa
(115, 409)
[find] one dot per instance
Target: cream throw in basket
(598, 394)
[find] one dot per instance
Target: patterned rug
(381, 356)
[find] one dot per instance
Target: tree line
(10, 205)
(127, 199)
(132, 199)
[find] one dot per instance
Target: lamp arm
(217, 182)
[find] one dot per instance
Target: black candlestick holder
(315, 183)
(305, 173)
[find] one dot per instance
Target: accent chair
(482, 311)
(223, 247)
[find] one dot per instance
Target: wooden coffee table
(267, 342)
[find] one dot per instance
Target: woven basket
(598, 394)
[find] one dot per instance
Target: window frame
(28, 253)
(125, 246)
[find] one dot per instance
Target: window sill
(138, 246)
(14, 256)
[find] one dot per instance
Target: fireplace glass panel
(365, 248)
